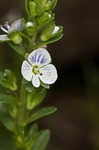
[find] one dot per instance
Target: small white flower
(38, 68)
(7, 29)
(29, 24)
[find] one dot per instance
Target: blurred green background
(75, 126)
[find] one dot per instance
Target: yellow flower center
(35, 69)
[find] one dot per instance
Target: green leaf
(41, 113)
(31, 136)
(35, 98)
(6, 119)
(6, 140)
(10, 102)
(6, 99)
(26, 6)
(53, 40)
(47, 33)
(54, 3)
(17, 48)
(46, 5)
(28, 86)
(33, 8)
(8, 122)
(42, 141)
(33, 129)
(39, 8)
(45, 19)
(8, 80)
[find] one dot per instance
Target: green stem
(26, 7)
(21, 119)
(37, 46)
(33, 40)
(25, 36)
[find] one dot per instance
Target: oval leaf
(41, 113)
(42, 141)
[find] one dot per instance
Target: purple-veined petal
(32, 58)
(4, 37)
(15, 26)
(39, 57)
(35, 81)
(48, 74)
(26, 71)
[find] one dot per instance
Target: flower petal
(26, 71)
(16, 25)
(35, 81)
(55, 30)
(48, 74)
(39, 57)
(4, 37)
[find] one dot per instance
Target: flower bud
(30, 28)
(47, 4)
(36, 8)
(15, 37)
(45, 19)
(50, 32)
(32, 8)
(53, 5)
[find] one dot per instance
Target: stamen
(35, 70)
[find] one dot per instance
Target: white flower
(29, 24)
(38, 68)
(7, 29)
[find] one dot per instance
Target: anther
(41, 74)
